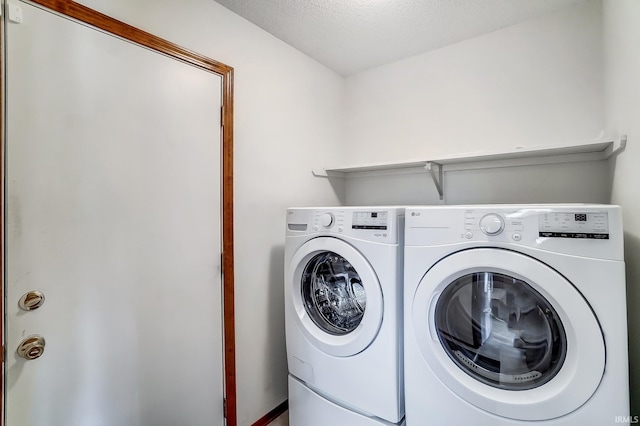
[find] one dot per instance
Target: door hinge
(224, 408)
(222, 116)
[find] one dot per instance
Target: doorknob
(31, 347)
(31, 300)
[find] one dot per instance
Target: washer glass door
(336, 296)
(500, 330)
(333, 294)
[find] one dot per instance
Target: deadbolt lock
(31, 300)
(31, 347)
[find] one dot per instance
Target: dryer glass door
(333, 294)
(508, 334)
(500, 330)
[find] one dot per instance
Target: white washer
(515, 315)
(343, 315)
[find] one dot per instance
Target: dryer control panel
(591, 225)
(550, 224)
(580, 229)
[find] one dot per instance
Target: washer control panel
(327, 220)
(370, 220)
(367, 223)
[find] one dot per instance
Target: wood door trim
(120, 29)
(273, 414)
(2, 205)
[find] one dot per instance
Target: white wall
(622, 89)
(288, 111)
(535, 83)
(565, 78)
(538, 83)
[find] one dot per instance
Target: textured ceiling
(349, 36)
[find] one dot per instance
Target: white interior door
(113, 213)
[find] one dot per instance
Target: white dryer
(343, 315)
(515, 315)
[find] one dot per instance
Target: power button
(516, 236)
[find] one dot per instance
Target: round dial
(492, 224)
(327, 220)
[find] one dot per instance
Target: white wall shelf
(596, 150)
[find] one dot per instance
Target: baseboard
(273, 414)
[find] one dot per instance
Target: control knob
(492, 224)
(327, 220)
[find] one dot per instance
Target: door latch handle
(31, 347)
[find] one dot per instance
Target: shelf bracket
(437, 179)
(618, 146)
(320, 172)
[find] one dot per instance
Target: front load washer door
(508, 334)
(336, 295)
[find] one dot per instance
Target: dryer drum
(501, 331)
(333, 294)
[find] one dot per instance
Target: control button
(340, 229)
(468, 235)
(516, 236)
(491, 224)
(327, 220)
(316, 227)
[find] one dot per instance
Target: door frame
(135, 35)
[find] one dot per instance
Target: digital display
(591, 225)
(370, 220)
